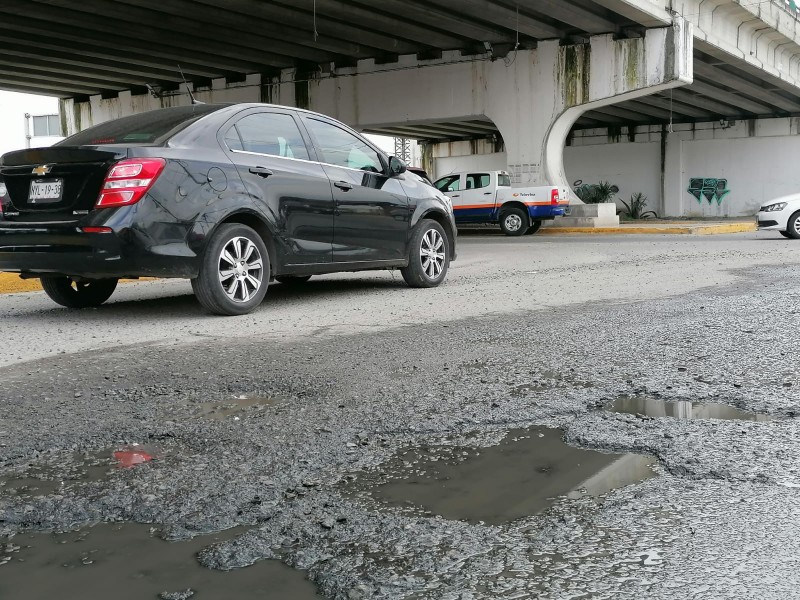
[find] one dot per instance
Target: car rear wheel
(429, 256)
(793, 226)
(535, 226)
(514, 221)
(72, 293)
(785, 234)
(234, 274)
(292, 279)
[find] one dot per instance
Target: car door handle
(260, 171)
(455, 195)
(343, 185)
(487, 193)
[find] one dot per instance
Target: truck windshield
(503, 180)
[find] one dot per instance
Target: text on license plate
(45, 190)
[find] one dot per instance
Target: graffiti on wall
(709, 188)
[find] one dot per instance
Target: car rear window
(152, 127)
(503, 180)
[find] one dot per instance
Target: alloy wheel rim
(513, 222)
(797, 225)
(432, 254)
(241, 269)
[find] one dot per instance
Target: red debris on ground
(130, 457)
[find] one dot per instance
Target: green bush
(635, 209)
(596, 193)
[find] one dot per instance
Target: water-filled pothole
(683, 409)
(236, 407)
(56, 474)
(127, 562)
(519, 477)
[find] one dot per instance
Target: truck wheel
(78, 294)
(514, 221)
(234, 273)
(535, 226)
(428, 256)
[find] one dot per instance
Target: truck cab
(487, 197)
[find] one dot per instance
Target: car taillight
(128, 181)
(554, 196)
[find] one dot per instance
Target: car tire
(71, 293)
(785, 234)
(514, 221)
(292, 279)
(234, 273)
(535, 226)
(428, 255)
(793, 226)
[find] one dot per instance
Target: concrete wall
(496, 161)
(631, 167)
(756, 159)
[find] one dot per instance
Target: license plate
(45, 190)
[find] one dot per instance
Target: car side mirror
(396, 166)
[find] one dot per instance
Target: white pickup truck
(487, 197)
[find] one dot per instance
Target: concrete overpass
(486, 75)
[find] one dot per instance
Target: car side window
(268, 133)
(343, 149)
(478, 180)
(449, 184)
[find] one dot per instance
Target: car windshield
(153, 127)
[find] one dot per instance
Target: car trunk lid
(49, 184)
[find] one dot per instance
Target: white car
(781, 215)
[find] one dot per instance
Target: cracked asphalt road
(320, 391)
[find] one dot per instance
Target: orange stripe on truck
(467, 206)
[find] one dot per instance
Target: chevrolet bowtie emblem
(41, 170)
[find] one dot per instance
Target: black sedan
(229, 196)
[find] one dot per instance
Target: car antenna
(188, 89)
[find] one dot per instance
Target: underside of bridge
(101, 47)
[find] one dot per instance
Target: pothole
(129, 562)
(683, 409)
(56, 474)
(521, 476)
(235, 407)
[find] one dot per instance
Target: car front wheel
(234, 274)
(72, 293)
(429, 255)
(793, 226)
(514, 221)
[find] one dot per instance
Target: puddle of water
(519, 477)
(683, 409)
(57, 473)
(232, 408)
(127, 562)
(55, 477)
